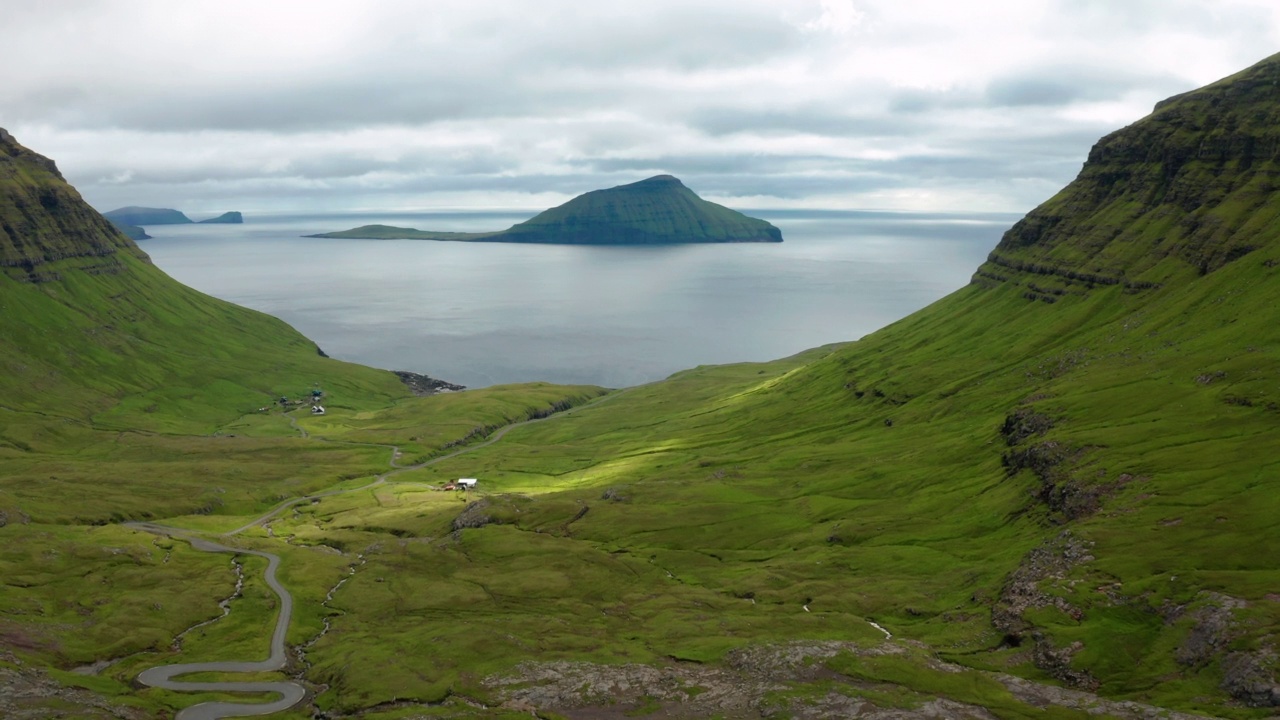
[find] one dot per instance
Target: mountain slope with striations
(656, 211)
(1191, 187)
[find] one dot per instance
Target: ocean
(483, 314)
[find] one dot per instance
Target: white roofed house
(466, 483)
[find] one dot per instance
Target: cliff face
(658, 210)
(1188, 189)
(43, 219)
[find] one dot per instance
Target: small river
(482, 314)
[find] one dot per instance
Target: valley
(1052, 493)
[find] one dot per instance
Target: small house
(465, 483)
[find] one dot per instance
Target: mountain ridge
(44, 220)
(1188, 188)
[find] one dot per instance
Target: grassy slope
(94, 331)
(1155, 369)
(779, 482)
(685, 518)
(125, 395)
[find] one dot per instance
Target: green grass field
(1065, 472)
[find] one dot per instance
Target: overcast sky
(439, 104)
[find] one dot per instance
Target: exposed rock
(421, 385)
(1212, 630)
(1022, 424)
(739, 688)
(475, 515)
(1057, 662)
(1040, 695)
(743, 687)
(836, 706)
(1251, 678)
(30, 694)
(1052, 560)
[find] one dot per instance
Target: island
(226, 218)
(134, 215)
(656, 211)
(132, 231)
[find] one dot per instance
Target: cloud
(322, 104)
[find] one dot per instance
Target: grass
(722, 508)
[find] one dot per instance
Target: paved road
(291, 693)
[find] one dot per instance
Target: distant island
(134, 215)
(132, 231)
(657, 211)
(226, 218)
(130, 219)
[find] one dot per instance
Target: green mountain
(226, 218)
(94, 330)
(133, 215)
(1052, 494)
(660, 210)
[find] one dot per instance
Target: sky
(407, 105)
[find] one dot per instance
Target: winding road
(291, 693)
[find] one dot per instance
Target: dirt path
(291, 693)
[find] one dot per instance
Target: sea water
(481, 314)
